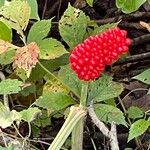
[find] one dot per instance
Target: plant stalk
(77, 133)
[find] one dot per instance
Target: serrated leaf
(109, 114)
(144, 77)
(135, 112)
(5, 32)
(103, 28)
(104, 88)
(39, 31)
(90, 2)
(30, 114)
(54, 85)
(10, 86)
(128, 6)
(72, 26)
(138, 128)
(51, 48)
(34, 9)
(7, 57)
(7, 117)
(19, 20)
(54, 101)
(70, 79)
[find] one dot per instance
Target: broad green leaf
(10, 86)
(16, 15)
(138, 128)
(21, 73)
(7, 117)
(72, 26)
(90, 2)
(103, 89)
(109, 114)
(135, 112)
(54, 101)
(51, 65)
(30, 114)
(54, 85)
(51, 48)
(103, 28)
(39, 31)
(144, 77)
(148, 1)
(70, 79)
(128, 6)
(34, 9)
(2, 2)
(5, 32)
(7, 57)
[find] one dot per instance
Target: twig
(44, 9)
(133, 58)
(111, 134)
(5, 97)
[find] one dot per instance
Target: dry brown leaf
(26, 57)
(4, 46)
(145, 25)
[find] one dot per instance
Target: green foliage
(72, 26)
(7, 57)
(128, 6)
(34, 9)
(109, 114)
(5, 32)
(144, 77)
(39, 31)
(54, 101)
(70, 79)
(19, 20)
(2, 2)
(90, 2)
(30, 114)
(103, 89)
(10, 86)
(7, 117)
(135, 112)
(51, 48)
(138, 128)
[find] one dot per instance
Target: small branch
(133, 58)
(112, 134)
(5, 97)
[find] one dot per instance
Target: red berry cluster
(89, 58)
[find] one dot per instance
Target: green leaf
(90, 2)
(34, 9)
(69, 78)
(51, 48)
(5, 32)
(108, 113)
(72, 26)
(104, 88)
(135, 112)
(2, 2)
(16, 15)
(54, 101)
(7, 57)
(30, 114)
(7, 117)
(128, 6)
(138, 128)
(148, 1)
(39, 31)
(10, 86)
(144, 77)
(103, 28)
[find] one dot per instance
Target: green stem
(77, 133)
(74, 116)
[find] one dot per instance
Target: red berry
(89, 58)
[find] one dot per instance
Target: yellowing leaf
(51, 49)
